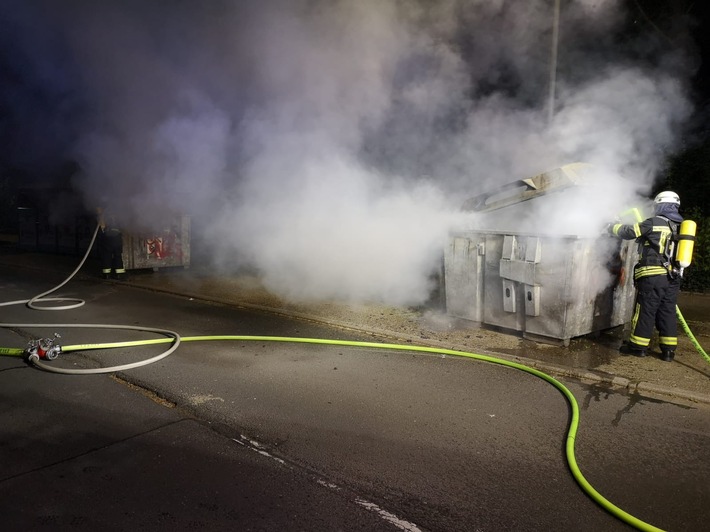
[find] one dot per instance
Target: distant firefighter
(110, 245)
(657, 275)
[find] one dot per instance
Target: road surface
(258, 435)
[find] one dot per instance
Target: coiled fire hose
(33, 303)
(43, 349)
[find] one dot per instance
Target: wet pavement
(593, 359)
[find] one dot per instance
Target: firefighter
(110, 241)
(656, 279)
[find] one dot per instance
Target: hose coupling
(44, 348)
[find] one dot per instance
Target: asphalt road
(256, 435)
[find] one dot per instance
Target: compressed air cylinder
(686, 242)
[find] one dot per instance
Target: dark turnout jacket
(653, 235)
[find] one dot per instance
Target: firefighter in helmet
(110, 243)
(657, 281)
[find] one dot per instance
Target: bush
(697, 276)
(688, 174)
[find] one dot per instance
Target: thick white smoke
(330, 144)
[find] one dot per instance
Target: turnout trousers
(656, 299)
(110, 250)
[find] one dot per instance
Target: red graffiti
(165, 246)
(154, 246)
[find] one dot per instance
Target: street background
(262, 436)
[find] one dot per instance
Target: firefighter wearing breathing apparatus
(110, 245)
(665, 249)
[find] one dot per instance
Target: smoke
(330, 144)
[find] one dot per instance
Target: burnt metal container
(547, 287)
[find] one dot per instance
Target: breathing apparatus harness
(667, 252)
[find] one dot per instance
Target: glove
(608, 230)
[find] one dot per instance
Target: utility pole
(553, 61)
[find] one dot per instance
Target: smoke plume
(330, 143)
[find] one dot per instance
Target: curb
(583, 375)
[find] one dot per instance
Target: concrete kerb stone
(667, 391)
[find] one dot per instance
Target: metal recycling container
(166, 247)
(547, 287)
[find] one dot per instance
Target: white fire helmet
(667, 197)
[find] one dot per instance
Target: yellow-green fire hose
(691, 335)
(571, 432)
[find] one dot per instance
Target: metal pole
(553, 61)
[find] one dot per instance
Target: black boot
(667, 355)
(629, 349)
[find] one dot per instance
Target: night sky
(44, 101)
